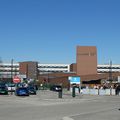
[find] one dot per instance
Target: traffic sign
(74, 79)
(16, 79)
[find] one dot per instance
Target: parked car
(10, 87)
(3, 90)
(56, 88)
(32, 90)
(22, 91)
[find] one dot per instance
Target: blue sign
(74, 79)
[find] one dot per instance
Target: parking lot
(47, 106)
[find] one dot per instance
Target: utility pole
(110, 71)
(110, 77)
(0, 68)
(27, 70)
(11, 70)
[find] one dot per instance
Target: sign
(74, 79)
(16, 79)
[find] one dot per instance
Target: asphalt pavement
(47, 105)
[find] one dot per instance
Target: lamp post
(110, 76)
(110, 71)
(0, 69)
(27, 70)
(11, 74)
(11, 70)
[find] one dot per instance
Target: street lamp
(11, 70)
(110, 77)
(110, 72)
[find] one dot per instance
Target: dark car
(3, 90)
(56, 88)
(22, 91)
(32, 90)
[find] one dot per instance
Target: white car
(11, 87)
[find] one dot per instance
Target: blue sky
(48, 31)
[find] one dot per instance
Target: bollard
(60, 94)
(73, 91)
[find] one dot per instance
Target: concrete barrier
(96, 91)
(107, 92)
(93, 92)
(86, 91)
(113, 91)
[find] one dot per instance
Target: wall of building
(5, 68)
(73, 67)
(44, 68)
(62, 78)
(30, 69)
(86, 60)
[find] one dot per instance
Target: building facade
(86, 67)
(6, 68)
(29, 69)
(86, 60)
